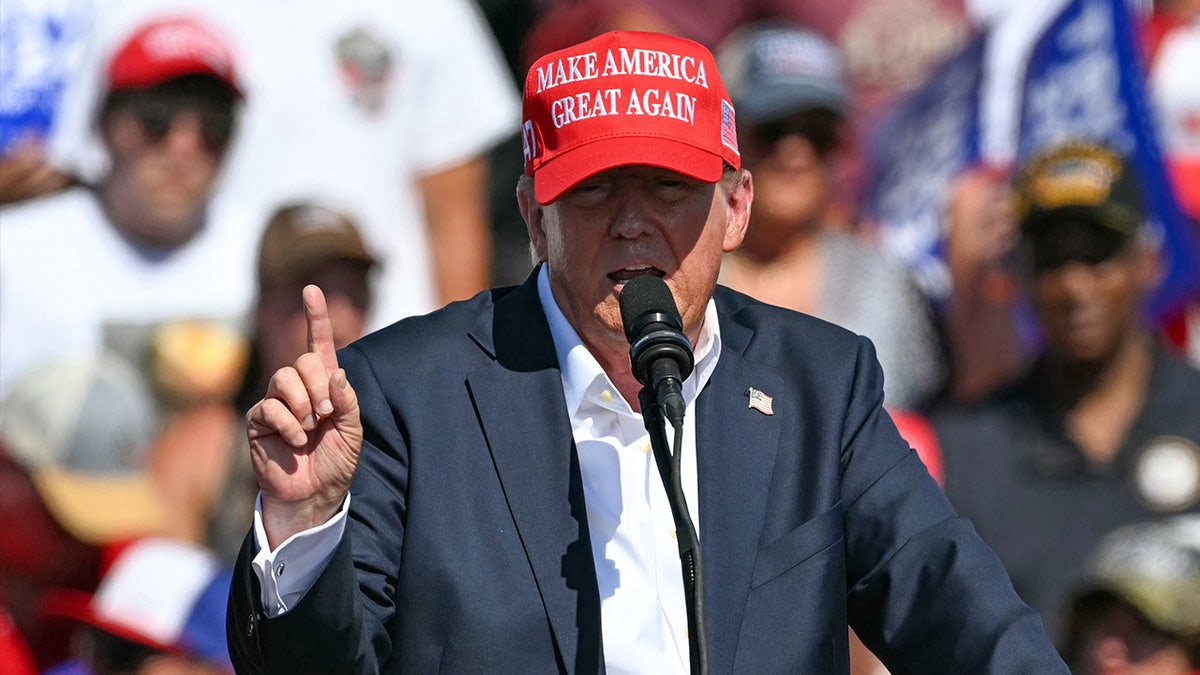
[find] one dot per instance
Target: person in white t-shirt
(143, 262)
(385, 110)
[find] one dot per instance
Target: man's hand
(25, 174)
(981, 227)
(305, 434)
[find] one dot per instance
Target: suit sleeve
(925, 593)
(340, 626)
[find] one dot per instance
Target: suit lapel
(521, 408)
(524, 417)
(736, 447)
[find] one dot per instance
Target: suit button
(250, 625)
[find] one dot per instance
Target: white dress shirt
(636, 554)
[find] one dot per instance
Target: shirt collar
(580, 369)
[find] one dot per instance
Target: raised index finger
(320, 330)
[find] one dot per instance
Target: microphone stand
(689, 542)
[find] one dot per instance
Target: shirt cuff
(302, 556)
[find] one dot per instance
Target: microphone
(658, 350)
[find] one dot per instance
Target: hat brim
(1104, 216)
(769, 103)
(302, 263)
(99, 510)
(1152, 604)
(155, 75)
(69, 603)
(566, 170)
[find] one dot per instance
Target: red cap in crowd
(625, 98)
(170, 48)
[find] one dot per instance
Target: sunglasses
(157, 115)
(819, 127)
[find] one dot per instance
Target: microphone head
(654, 329)
(646, 299)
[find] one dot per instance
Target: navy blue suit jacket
(467, 548)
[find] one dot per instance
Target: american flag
(728, 126)
(760, 401)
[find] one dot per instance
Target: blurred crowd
(174, 172)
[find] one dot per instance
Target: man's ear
(104, 129)
(1149, 264)
(739, 194)
(532, 212)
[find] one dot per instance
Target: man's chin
(608, 315)
(177, 201)
(1082, 354)
(173, 222)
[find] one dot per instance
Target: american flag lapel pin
(760, 401)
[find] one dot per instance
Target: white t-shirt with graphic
(347, 102)
(70, 284)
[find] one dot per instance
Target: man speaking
(474, 491)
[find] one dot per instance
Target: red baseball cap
(170, 48)
(625, 98)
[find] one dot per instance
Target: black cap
(1080, 180)
(1078, 200)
